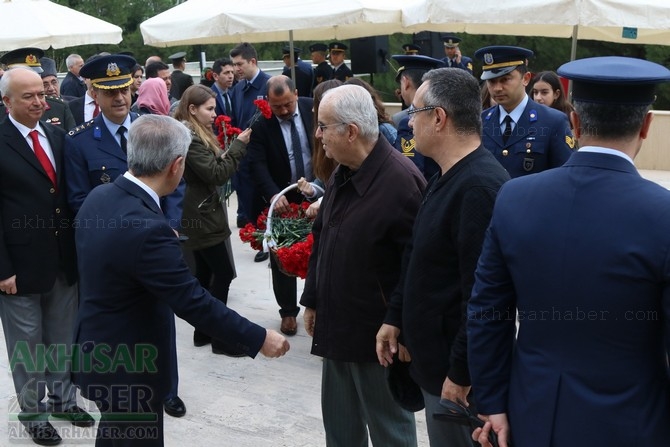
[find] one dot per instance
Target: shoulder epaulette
(55, 99)
(81, 128)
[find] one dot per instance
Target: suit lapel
(19, 144)
(492, 125)
(307, 121)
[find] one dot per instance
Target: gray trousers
(36, 327)
(442, 433)
(355, 399)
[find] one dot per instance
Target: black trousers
(286, 290)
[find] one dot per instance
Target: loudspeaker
(431, 44)
(369, 54)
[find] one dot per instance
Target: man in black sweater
(438, 270)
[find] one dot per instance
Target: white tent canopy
(44, 24)
(622, 21)
(223, 21)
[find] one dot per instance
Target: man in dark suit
(280, 153)
(56, 112)
(580, 255)
(304, 74)
(73, 84)
(526, 137)
(337, 55)
(180, 80)
(128, 298)
(224, 78)
(37, 258)
(251, 86)
(96, 154)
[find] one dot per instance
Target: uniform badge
(528, 164)
(570, 141)
(488, 58)
(407, 147)
(113, 69)
(105, 178)
(533, 115)
(55, 121)
(31, 59)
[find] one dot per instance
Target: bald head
(23, 95)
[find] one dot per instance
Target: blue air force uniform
(541, 140)
(540, 136)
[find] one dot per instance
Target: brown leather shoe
(289, 326)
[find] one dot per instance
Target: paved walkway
(234, 402)
(230, 402)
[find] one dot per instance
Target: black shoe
(200, 339)
(261, 256)
(76, 416)
(174, 407)
(227, 351)
(42, 433)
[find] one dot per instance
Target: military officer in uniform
(412, 68)
(95, 153)
(180, 80)
(322, 71)
(454, 58)
(304, 74)
(411, 49)
(525, 137)
(337, 55)
(56, 112)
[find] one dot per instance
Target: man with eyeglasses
(95, 154)
(412, 68)
(428, 306)
(360, 233)
(280, 153)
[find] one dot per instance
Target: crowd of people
(462, 236)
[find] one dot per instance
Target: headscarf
(153, 95)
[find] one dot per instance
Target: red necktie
(42, 157)
(96, 111)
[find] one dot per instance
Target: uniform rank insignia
(407, 147)
(570, 141)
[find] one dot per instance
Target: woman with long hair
(205, 218)
(546, 88)
(386, 127)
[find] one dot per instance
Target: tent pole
(291, 54)
(573, 56)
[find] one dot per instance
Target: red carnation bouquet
(289, 238)
(263, 109)
(226, 134)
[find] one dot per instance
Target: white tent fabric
(625, 21)
(44, 24)
(622, 21)
(224, 21)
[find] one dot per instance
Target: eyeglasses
(323, 127)
(411, 112)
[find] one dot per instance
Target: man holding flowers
(280, 152)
